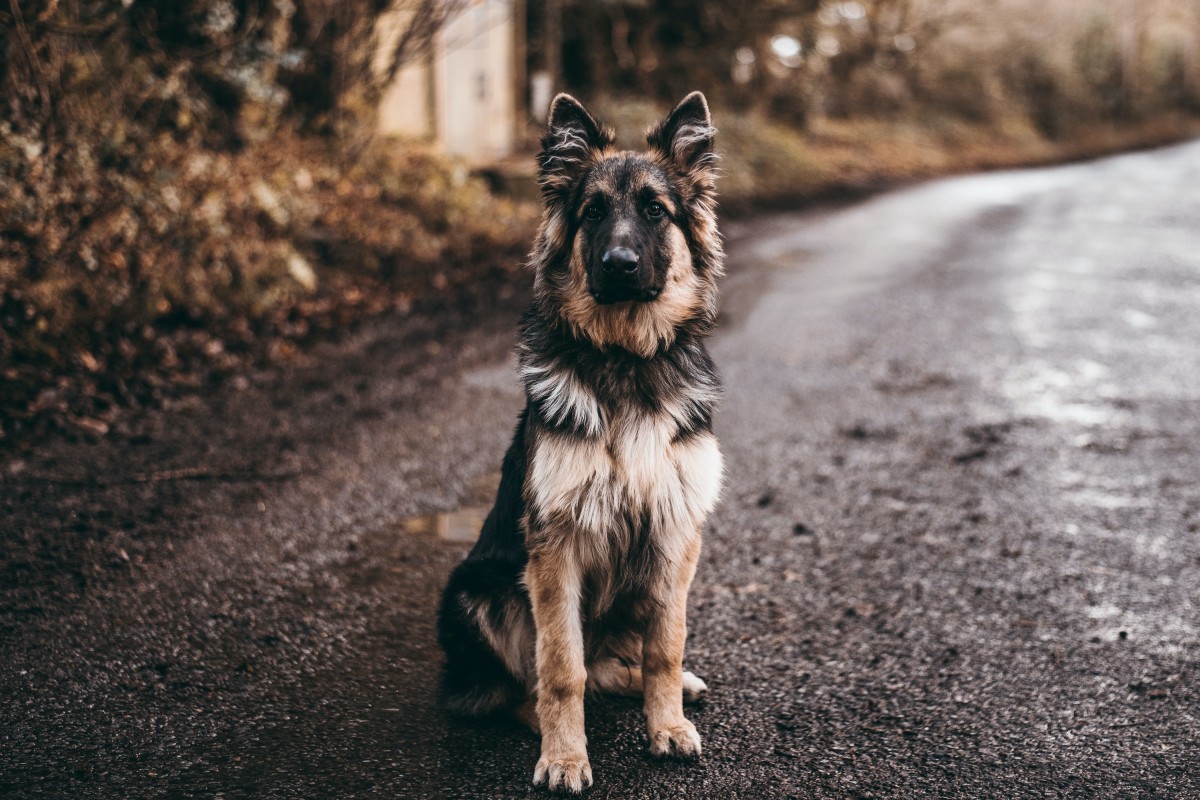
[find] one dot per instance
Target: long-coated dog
(580, 576)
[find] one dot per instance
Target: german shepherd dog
(580, 576)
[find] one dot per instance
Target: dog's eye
(593, 213)
(655, 210)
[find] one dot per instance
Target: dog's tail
(485, 628)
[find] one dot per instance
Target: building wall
(404, 107)
(474, 82)
(465, 96)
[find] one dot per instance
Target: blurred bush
(824, 98)
(187, 186)
(123, 275)
(1065, 65)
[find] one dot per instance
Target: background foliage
(190, 185)
(1072, 60)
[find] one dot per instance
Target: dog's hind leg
(613, 676)
(526, 714)
(486, 631)
(694, 687)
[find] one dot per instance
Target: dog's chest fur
(633, 474)
(624, 466)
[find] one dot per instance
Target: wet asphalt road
(958, 555)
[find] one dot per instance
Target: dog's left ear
(685, 139)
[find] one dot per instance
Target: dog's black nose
(620, 259)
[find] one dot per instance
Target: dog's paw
(693, 688)
(678, 739)
(572, 774)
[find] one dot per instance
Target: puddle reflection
(453, 526)
(462, 524)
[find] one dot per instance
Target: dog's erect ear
(572, 142)
(685, 137)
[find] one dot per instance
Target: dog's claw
(568, 774)
(679, 740)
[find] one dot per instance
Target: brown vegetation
(173, 204)
(1062, 64)
(834, 96)
(120, 283)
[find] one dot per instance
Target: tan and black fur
(580, 576)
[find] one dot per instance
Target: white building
(467, 95)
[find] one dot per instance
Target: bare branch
(428, 17)
(35, 66)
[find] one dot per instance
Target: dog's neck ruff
(576, 387)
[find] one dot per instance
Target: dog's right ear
(573, 140)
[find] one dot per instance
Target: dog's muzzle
(622, 277)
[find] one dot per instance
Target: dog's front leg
(662, 661)
(554, 589)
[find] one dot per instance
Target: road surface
(958, 553)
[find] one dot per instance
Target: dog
(580, 576)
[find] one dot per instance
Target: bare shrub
(1065, 64)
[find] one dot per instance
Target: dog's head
(629, 249)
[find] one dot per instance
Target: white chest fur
(632, 468)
